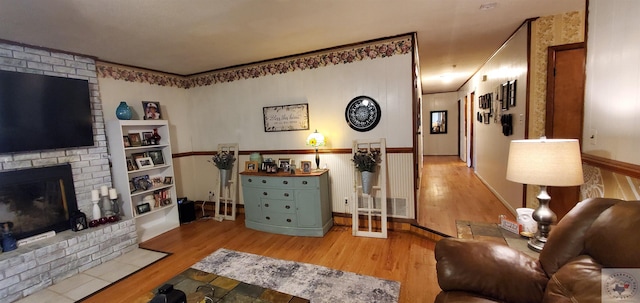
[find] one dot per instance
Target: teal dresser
(297, 205)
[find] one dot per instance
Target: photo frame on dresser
(305, 166)
(251, 166)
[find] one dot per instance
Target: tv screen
(40, 112)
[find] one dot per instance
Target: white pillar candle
(104, 190)
(113, 194)
(95, 195)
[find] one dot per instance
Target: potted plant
(366, 162)
(224, 162)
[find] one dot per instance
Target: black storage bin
(186, 210)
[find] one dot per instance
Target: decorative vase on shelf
(123, 111)
(225, 176)
(367, 181)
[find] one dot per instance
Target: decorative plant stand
(226, 192)
(369, 215)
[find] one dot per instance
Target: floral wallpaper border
(376, 50)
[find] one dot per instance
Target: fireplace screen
(37, 200)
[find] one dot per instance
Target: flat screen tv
(39, 112)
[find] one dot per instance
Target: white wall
(491, 147)
(441, 144)
(612, 93)
(231, 112)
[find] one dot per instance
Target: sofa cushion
(579, 280)
(613, 239)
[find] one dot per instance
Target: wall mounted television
(39, 112)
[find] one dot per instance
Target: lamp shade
(315, 139)
(550, 162)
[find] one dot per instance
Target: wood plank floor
(450, 191)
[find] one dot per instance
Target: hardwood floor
(450, 191)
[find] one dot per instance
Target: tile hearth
(90, 281)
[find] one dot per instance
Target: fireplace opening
(37, 200)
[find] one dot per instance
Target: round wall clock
(362, 113)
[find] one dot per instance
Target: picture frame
(286, 117)
(512, 93)
(251, 166)
(143, 208)
(142, 182)
(505, 96)
(156, 156)
(438, 122)
(126, 142)
(151, 110)
(486, 118)
(135, 156)
(168, 180)
(131, 165)
(132, 186)
(145, 162)
(284, 164)
(135, 139)
(305, 166)
(271, 167)
(145, 138)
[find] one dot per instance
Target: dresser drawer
(260, 181)
(279, 206)
(306, 182)
(279, 219)
(272, 193)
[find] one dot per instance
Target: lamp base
(537, 244)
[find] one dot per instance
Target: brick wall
(90, 165)
(36, 266)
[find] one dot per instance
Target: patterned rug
(316, 283)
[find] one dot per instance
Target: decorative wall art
(512, 93)
(286, 117)
(362, 113)
(438, 122)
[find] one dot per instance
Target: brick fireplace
(35, 266)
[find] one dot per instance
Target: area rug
(316, 283)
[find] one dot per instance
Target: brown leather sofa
(595, 234)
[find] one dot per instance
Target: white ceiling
(192, 36)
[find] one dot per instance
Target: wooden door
(565, 110)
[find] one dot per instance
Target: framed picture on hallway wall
(512, 93)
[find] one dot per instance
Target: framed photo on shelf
(251, 166)
(134, 139)
(132, 186)
(305, 166)
(136, 156)
(145, 138)
(284, 164)
(143, 208)
(125, 141)
(131, 165)
(156, 156)
(145, 162)
(142, 182)
(151, 110)
(168, 180)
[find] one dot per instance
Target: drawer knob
(304, 182)
(287, 207)
(289, 220)
(250, 180)
(285, 182)
(286, 194)
(264, 181)
(268, 218)
(264, 193)
(266, 205)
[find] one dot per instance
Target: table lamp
(316, 139)
(544, 162)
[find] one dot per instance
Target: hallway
(451, 191)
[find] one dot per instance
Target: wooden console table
(291, 204)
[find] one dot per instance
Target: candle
(95, 195)
(113, 194)
(104, 190)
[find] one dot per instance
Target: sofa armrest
(489, 269)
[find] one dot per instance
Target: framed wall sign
(286, 117)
